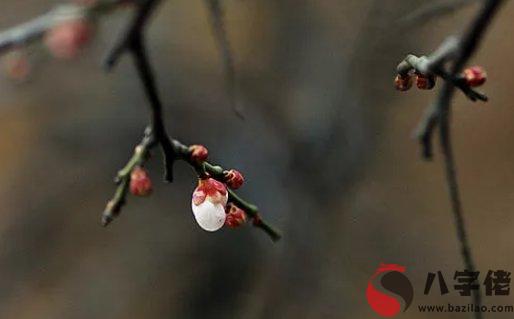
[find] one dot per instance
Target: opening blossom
(208, 204)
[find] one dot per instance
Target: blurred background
(326, 149)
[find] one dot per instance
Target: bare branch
(217, 16)
(455, 52)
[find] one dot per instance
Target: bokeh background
(326, 149)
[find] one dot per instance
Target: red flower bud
(234, 179)
(474, 76)
(403, 82)
(65, 40)
(235, 216)
(199, 153)
(140, 183)
(425, 82)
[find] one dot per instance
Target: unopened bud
(235, 216)
(403, 82)
(475, 76)
(234, 179)
(140, 182)
(199, 153)
(425, 82)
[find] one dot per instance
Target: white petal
(209, 216)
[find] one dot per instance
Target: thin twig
(435, 65)
(141, 154)
(132, 41)
(217, 16)
(469, 43)
(438, 113)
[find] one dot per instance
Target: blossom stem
(141, 154)
(253, 212)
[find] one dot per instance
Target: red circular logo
(387, 289)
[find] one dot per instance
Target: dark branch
(132, 42)
(456, 53)
(220, 34)
(133, 34)
(140, 156)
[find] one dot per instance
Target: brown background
(326, 150)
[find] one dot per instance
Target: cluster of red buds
(473, 76)
(210, 202)
(403, 82)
